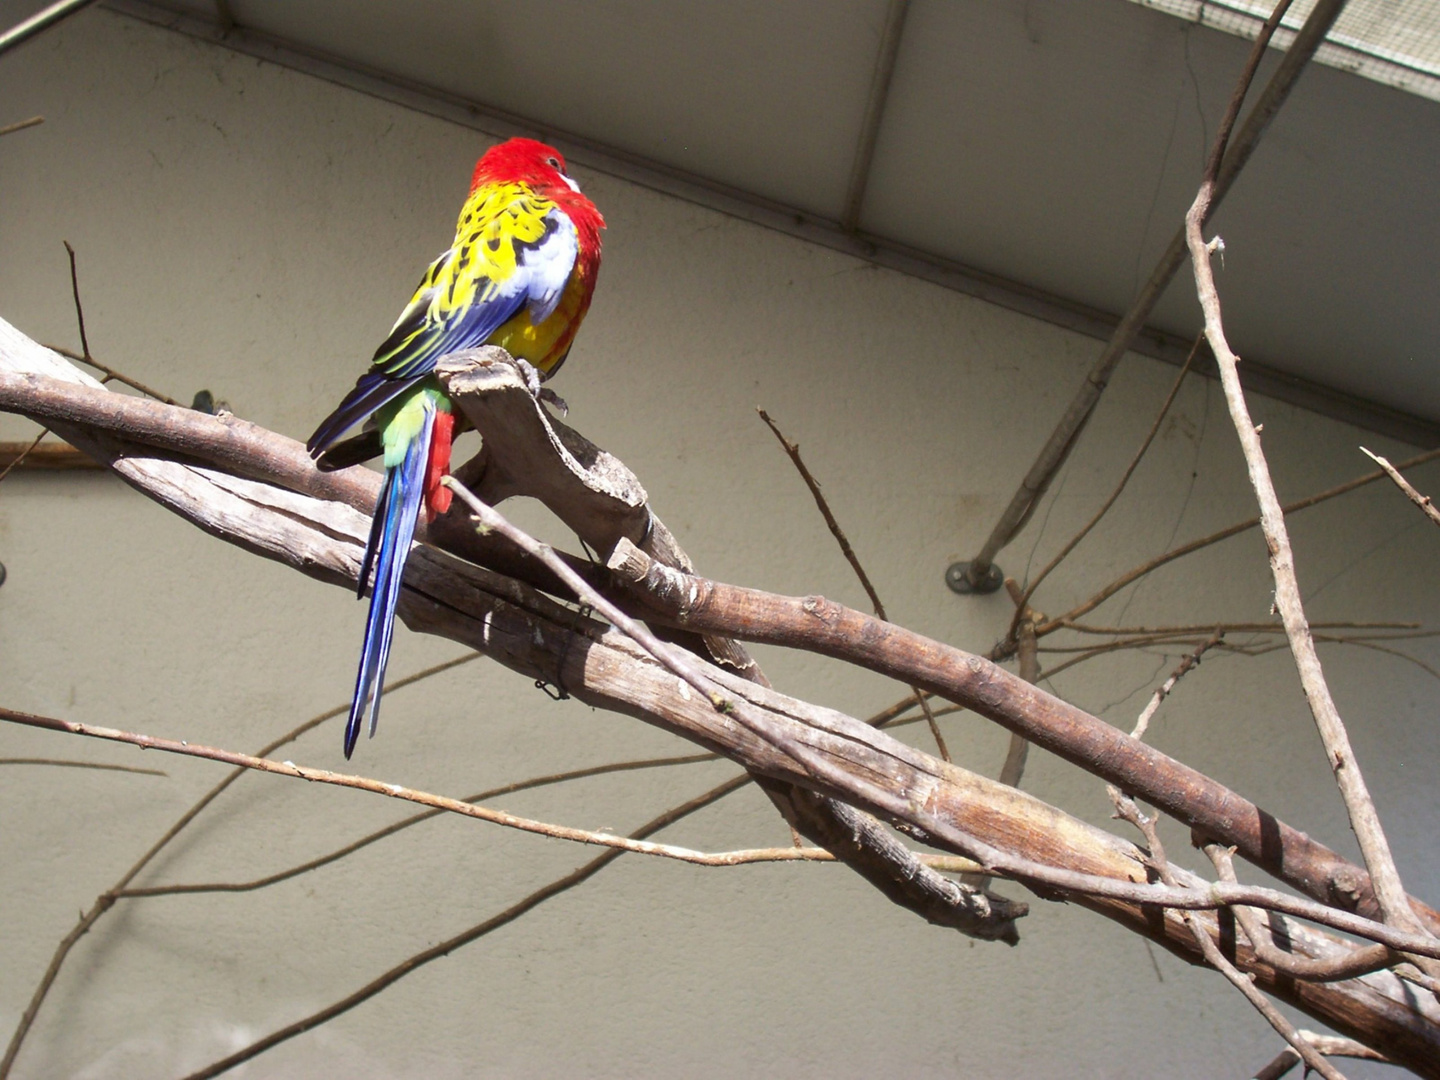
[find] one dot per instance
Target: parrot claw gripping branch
(519, 274)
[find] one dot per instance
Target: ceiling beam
(874, 113)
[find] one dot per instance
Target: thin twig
(21, 125)
(84, 345)
(111, 374)
(106, 900)
(884, 720)
(18, 458)
(1363, 643)
(1235, 627)
(1190, 661)
(423, 798)
(1101, 650)
(79, 311)
(1125, 808)
(407, 822)
(1084, 530)
(1329, 1045)
(793, 450)
(1422, 501)
(1138, 641)
(1353, 963)
(1193, 546)
(1364, 820)
(444, 948)
(65, 763)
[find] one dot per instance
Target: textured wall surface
(254, 231)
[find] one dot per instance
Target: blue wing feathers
(394, 529)
(377, 525)
(371, 391)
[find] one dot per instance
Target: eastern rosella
(519, 274)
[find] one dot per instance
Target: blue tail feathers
(389, 546)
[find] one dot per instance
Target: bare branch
(839, 756)
(704, 606)
(111, 375)
(1084, 530)
(444, 948)
(1422, 501)
(1190, 661)
(63, 763)
(1150, 565)
(21, 125)
(1329, 1045)
(833, 630)
(793, 450)
(1125, 807)
(1364, 820)
(79, 310)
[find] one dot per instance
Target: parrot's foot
(532, 376)
(539, 393)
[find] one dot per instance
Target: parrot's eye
(554, 163)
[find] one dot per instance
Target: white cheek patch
(546, 267)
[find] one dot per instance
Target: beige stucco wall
(253, 231)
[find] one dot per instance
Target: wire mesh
(1396, 42)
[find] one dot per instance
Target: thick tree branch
(1008, 830)
(715, 609)
(829, 628)
(586, 487)
(811, 623)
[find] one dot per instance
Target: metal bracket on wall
(957, 576)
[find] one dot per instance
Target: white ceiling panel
(767, 95)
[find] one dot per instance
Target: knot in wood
(1345, 885)
(821, 609)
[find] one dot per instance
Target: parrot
(519, 274)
